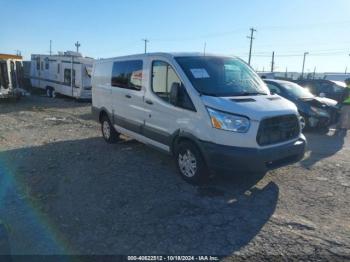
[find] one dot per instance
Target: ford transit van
(210, 112)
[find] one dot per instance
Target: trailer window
(67, 76)
(13, 75)
(127, 74)
(37, 63)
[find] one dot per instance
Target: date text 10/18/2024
(173, 258)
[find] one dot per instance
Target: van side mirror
(174, 93)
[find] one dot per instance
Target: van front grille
(278, 129)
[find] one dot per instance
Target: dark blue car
(315, 112)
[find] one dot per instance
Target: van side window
(127, 74)
(67, 76)
(163, 77)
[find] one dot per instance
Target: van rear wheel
(190, 163)
(109, 133)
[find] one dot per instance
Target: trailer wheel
(50, 92)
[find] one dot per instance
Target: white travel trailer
(210, 112)
(67, 73)
(11, 75)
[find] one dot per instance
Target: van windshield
(222, 76)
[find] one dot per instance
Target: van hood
(254, 107)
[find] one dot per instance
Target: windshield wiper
(209, 94)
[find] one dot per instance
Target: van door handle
(149, 102)
(128, 96)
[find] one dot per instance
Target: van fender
(180, 135)
(97, 113)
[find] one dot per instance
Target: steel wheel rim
(106, 130)
(187, 163)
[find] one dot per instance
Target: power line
(267, 28)
(300, 54)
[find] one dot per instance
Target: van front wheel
(190, 163)
(109, 134)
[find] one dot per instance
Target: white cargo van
(210, 112)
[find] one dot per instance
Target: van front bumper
(221, 157)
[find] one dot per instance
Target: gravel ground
(65, 191)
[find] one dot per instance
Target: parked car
(324, 88)
(314, 111)
(210, 112)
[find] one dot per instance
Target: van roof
(164, 54)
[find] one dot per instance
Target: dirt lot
(63, 190)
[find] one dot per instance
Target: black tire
(109, 134)
(188, 152)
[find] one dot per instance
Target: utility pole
(313, 76)
(18, 52)
(77, 45)
(346, 70)
(146, 41)
(50, 47)
(273, 61)
(205, 47)
(251, 37)
(302, 71)
(286, 74)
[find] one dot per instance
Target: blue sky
(116, 27)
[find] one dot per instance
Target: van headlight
(229, 122)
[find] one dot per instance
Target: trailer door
(4, 79)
